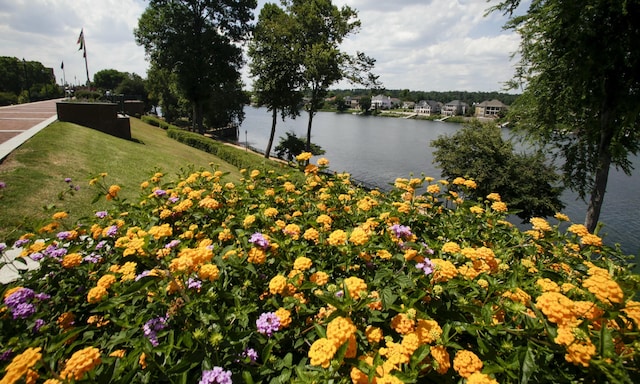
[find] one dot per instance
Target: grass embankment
(35, 173)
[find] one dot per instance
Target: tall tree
(319, 28)
(198, 40)
(580, 64)
(277, 77)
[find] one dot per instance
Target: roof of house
(492, 103)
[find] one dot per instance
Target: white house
(381, 102)
(428, 107)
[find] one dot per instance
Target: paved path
(20, 122)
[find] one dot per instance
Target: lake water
(377, 150)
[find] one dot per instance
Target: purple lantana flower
(172, 244)
(160, 192)
(193, 283)
(259, 240)
(217, 375)
(251, 354)
(101, 214)
(401, 231)
(268, 323)
(426, 266)
(112, 230)
(19, 243)
(152, 327)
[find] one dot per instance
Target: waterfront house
(381, 102)
(490, 108)
(454, 108)
(428, 107)
(408, 105)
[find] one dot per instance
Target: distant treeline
(415, 96)
(22, 81)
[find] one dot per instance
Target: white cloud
(420, 45)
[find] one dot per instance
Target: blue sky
(436, 45)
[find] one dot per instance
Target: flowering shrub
(272, 280)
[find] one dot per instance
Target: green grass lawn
(35, 173)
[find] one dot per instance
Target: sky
(420, 45)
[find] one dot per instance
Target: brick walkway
(19, 122)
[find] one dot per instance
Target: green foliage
(157, 122)
(230, 155)
(479, 152)
(24, 81)
(203, 55)
(8, 98)
(398, 287)
(582, 93)
(108, 79)
(277, 77)
(318, 29)
(291, 146)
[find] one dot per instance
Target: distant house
(395, 102)
(454, 108)
(352, 102)
(408, 105)
(381, 102)
(491, 108)
(428, 107)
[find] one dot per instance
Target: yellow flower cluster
(80, 363)
(190, 259)
(402, 324)
(21, 364)
(302, 263)
(466, 363)
(540, 224)
(358, 236)
(209, 272)
(632, 311)
(444, 270)
(356, 286)
(278, 285)
(337, 237)
(71, 260)
(602, 285)
(450, 247)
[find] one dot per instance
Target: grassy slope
(34, 174)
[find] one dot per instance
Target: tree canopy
(580, 69)
(24, 81)
(198, 41)
(319, 27)
(479, 152)
(277, 77)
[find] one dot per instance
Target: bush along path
(276, 281)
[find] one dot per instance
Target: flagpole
(86, 66)
(83, 46)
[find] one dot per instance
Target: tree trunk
(274, 120)
(602, 173)
(197, 117)
(308, 145)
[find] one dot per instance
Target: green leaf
(528, 364)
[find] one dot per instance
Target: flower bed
(272, 281)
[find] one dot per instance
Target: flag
(62, 65)
(81, 39)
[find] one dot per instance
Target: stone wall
(100, 116)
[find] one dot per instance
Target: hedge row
(233, 156)
(157, 122)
